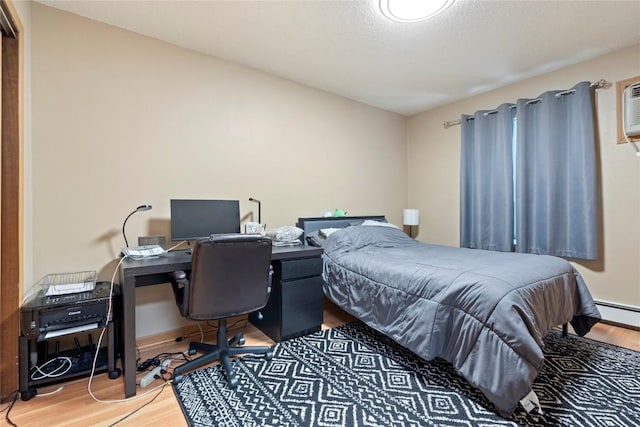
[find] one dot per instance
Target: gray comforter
(485, 312)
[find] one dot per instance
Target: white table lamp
(411, 217)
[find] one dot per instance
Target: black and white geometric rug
(353, 376)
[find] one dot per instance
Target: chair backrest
(230, 275)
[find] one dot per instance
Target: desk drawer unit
(295, 305)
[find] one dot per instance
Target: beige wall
(434, 156)
(120, 120)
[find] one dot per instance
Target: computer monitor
(196, 219)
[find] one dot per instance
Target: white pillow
(326, 232)
(379, 223)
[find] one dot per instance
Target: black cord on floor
(157, 360)
(13, 402)
(136, 410)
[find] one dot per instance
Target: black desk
(154, 271)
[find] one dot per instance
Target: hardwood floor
(73, 406)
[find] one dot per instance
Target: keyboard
(141, 252)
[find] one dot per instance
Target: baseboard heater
(622, 314)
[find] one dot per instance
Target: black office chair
(230, 276)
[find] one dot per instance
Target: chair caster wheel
(233, 382)
(115, 373)
(268, 355)
(192, 351)
(241, 341)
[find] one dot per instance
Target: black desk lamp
(251, 199)
(138, 209)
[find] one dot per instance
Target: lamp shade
(411, 217)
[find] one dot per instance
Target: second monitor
(196, 219)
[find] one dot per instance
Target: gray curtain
(486, 180)
(556, 193)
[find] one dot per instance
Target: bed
(485, 312)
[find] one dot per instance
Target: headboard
(313, 224)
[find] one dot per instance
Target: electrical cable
(158, 359)
(136, 410)
(175, 246)
(13, 402)
(57, 371)
(9, 405)
(59, 389)
(95, 358)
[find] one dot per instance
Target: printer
(46, 316)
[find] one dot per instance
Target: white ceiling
(346, 47)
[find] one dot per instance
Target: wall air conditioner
(631, 107)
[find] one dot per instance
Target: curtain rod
(600, 84)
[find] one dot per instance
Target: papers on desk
(143, 252)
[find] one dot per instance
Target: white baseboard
(619, 313)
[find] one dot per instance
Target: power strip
(156, 372)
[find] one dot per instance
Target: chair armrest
(179, 276)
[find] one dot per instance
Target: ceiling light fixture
(412, 10)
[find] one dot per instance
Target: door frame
(11, 195)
